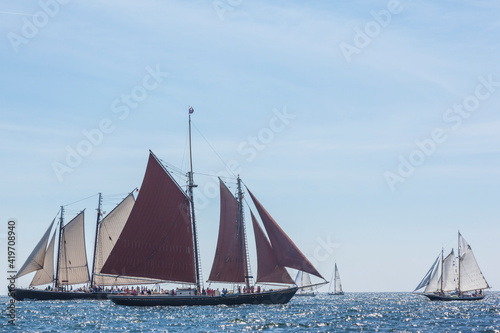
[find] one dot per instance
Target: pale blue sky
(321, 171)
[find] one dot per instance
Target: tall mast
(61, 221)
(191, 186)
(95, 242)
(442, 267)
(241, 223)
(458, 262)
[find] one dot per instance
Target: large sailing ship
(159, 241)
(71, 268)
(444, 283)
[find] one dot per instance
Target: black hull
(336, 294)
(268, 297)
(453, 298)
(44, 295)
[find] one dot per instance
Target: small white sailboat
(303, 281)
(460, 278)
(337, 284)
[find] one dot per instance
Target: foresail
(287, 253)
(449, 282)
(73, 267)
(229, 260)
(157, 240)
(46, 274)
(427, 278)
(268, 269)
(36, 258)
(433, 285)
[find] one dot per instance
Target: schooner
(159, 241)
(67, 247)
(454, 279)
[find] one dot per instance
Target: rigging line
(80, 200)
(213, 175)
(223, 162)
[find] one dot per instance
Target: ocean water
(353, 312)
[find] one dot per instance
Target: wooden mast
(241, 223)
(191, 186)
(459, 263)
(61, 221)
(442, 268)
(95, 242)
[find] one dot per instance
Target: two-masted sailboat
(337, 284)
(71, 266)
(159, 241)
(444, 283)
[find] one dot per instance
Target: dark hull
(453, 298)
(336, 294)
(43, 295)
(269, 297)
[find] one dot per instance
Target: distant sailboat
(159, 241)
(466, 284)
(337, 284)
(71, 260)
(303, 281)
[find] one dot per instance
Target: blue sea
(353, 312)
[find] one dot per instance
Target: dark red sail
(157, 240)
(229, 260)
(268, 269)
(287, 253)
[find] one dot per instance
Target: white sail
(73, 267)
(46, 274)
(429, 275)
(36, 258)
(337, 286)
(303, 280)
(433, 284)
(449, 282)
(306, 281)
(110, 229)
(298, 279)
(471, 277)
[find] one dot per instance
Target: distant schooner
(159, 241)
(468, 284)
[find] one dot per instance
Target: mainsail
(157, 240)
(73, 256)
(471, 277)
(286, 252)
(337, 285)
(36, 259)
(229, 260)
